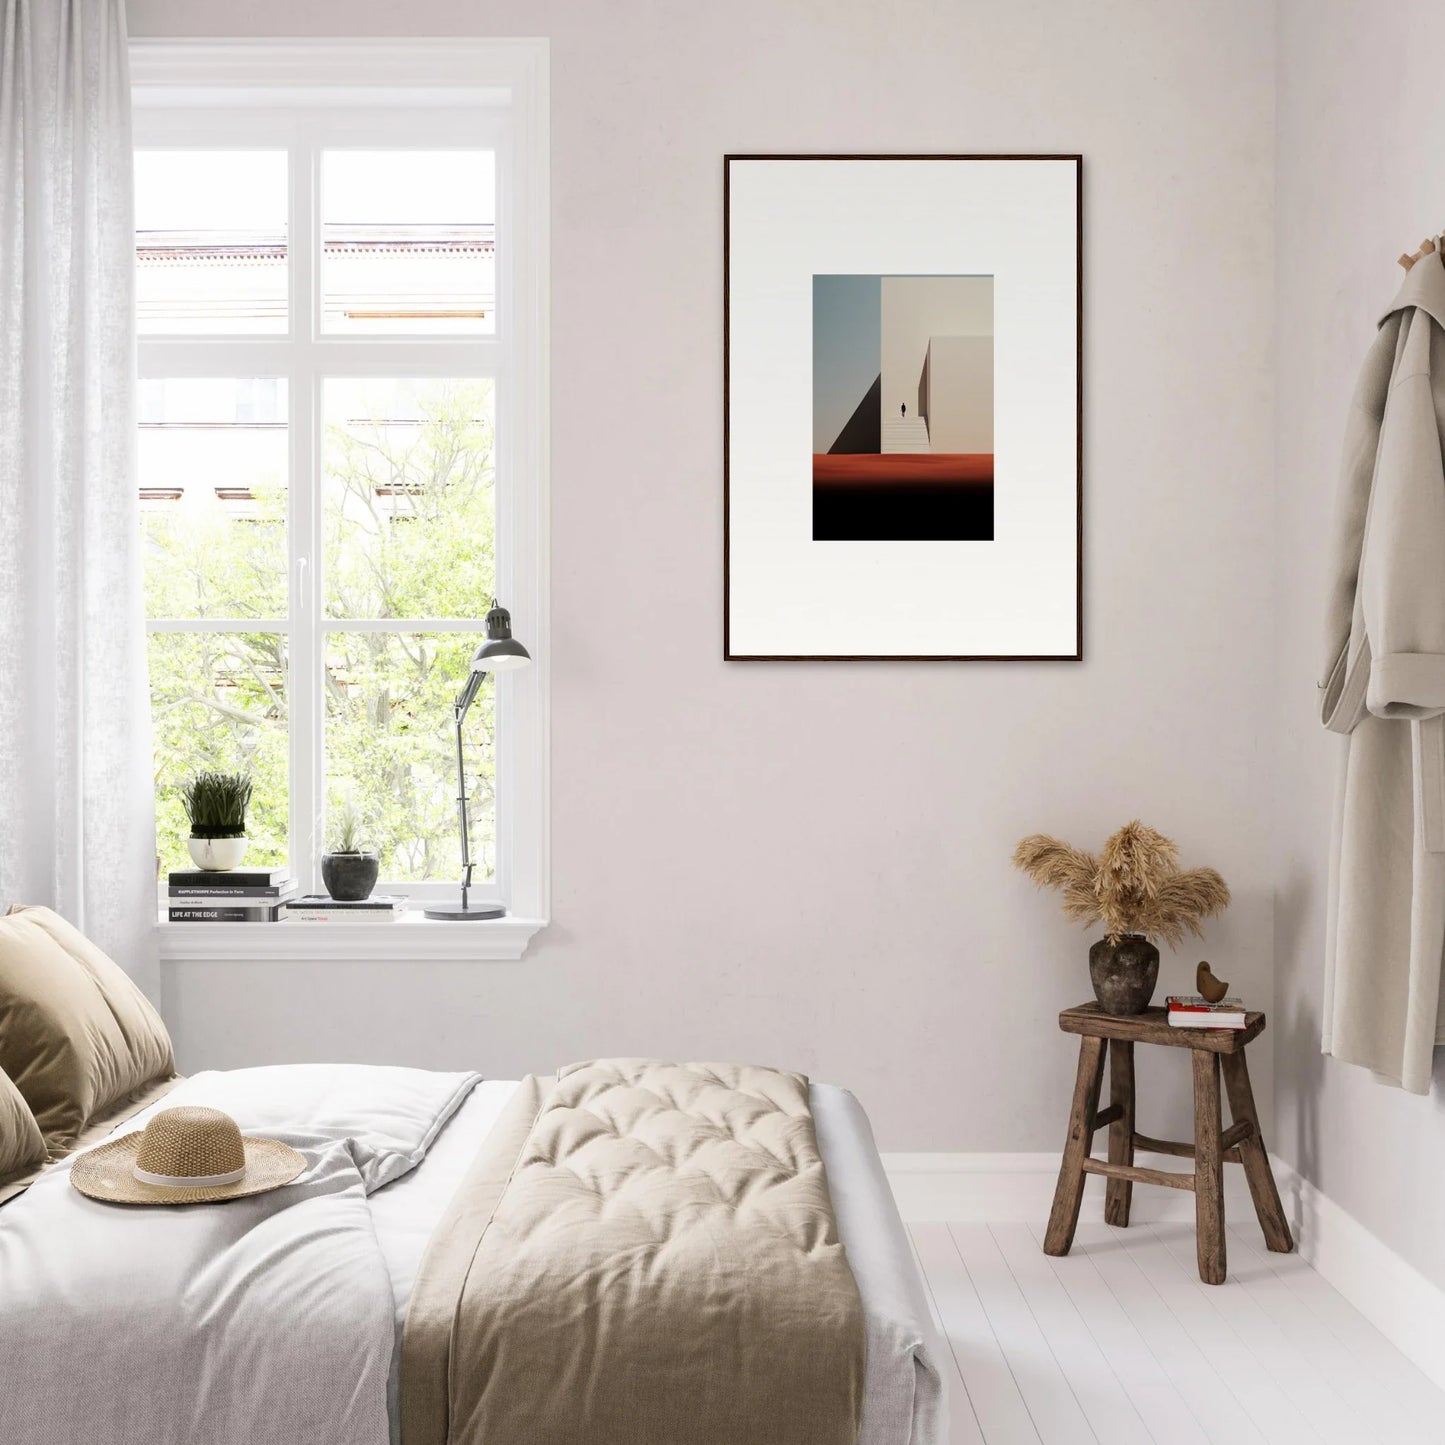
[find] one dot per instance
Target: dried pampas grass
(1135, 885)
(1054, 864)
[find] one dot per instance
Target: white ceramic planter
(216, 855)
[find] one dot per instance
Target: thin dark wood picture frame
(1077, 655)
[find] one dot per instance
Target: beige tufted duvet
(647, 1248)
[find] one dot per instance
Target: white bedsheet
(904, 1401)
(266, 1320)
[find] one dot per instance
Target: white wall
(1361, 178)
(807, 864)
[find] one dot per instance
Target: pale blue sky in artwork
(847, 349)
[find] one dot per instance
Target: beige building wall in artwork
(957, 397)
(914, 310)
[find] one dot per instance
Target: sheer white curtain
(76, 805)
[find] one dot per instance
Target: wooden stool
(1241, 1143)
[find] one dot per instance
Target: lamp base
(457, 913)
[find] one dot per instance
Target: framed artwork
(902, 404)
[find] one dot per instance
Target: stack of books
(249, 895)
(318, 908)
(1193, 1011)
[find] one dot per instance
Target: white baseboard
(1407, 1308)
(1019, 1188)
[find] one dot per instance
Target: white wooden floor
(1120, 1343)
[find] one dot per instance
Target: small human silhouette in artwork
(903, 409)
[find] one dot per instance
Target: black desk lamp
(501, 652)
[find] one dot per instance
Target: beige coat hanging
(1384, 686)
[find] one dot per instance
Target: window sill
(411, 938)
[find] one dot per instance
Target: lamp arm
(467, 695)
(460, 707)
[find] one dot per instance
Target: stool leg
(1069, 1194)
(1119, 1193)
(1208, 1169)
(1255, 1157)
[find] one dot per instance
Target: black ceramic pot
(350, 877)
(1124, 973)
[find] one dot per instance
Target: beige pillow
(22, 1149)
(76, 1035)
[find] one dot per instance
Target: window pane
(390, 749)
(408, 242)
(218, 701)
(210, 242)
(408, 504)
(212, 465)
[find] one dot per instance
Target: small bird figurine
(1208, 986)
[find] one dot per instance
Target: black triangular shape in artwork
(863, 431)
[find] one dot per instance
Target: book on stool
(1194, 1011)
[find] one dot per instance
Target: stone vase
(350, 877)
(1124, 973)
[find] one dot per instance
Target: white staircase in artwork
(905, 434)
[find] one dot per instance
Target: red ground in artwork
(851, 469)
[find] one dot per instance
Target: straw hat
(186, 1155)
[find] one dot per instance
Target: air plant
(1135, 885)
(216, 804)
(346, 829)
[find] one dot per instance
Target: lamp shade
(501, 652)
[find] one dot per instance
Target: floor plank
(1051, 1403)
(927, 1287)
(1211, 1400)
(1090, 1375)
(963, 1426)
(1164, 1411)
(1311, 1390)
(1222, 1354)
(1367, 1359)
(988, 1392)
(1349, 1365)
(1119, 1343)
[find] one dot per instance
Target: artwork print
(902, 408)
(903, 439)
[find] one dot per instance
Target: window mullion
(306, 580)
(218, 624)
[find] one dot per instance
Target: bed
(114, 1350)
(628, 1252)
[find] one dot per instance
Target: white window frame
(304, 96)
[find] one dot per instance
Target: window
(342, 443)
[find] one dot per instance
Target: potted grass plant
(216, 804)
(1136, 889)
(350, 869)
